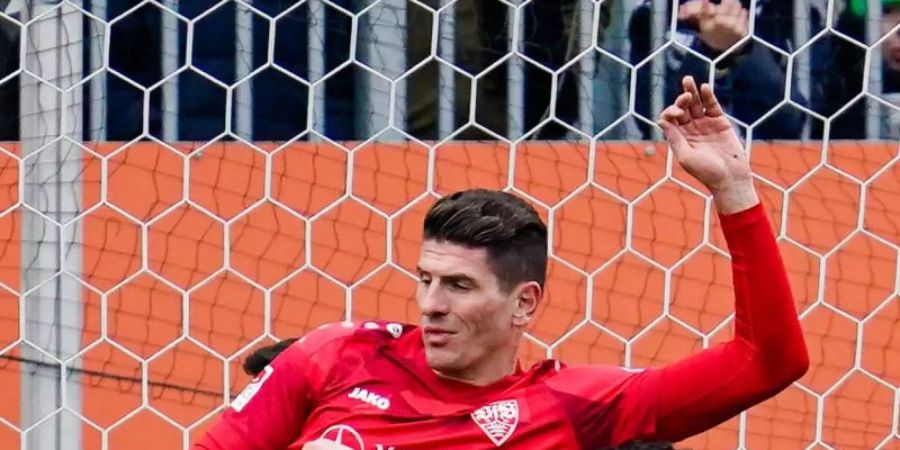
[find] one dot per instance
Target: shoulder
(594, 377)
(356, 333)
(335, 350)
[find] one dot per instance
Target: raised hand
(719, 26)
(706, 145)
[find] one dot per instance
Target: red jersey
(368, 385)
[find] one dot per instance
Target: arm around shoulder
(270, 411)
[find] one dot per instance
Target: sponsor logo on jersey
(498, 420)
(344, 435)
(369, 397)
(240, 402)
(349, 437)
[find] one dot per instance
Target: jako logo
(370, 398)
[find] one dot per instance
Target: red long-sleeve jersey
(368, 385)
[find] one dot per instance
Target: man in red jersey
(453, 382)
(262, 357)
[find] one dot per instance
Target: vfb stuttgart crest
(498, 420)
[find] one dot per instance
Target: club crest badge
(498, 420)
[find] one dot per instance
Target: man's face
(471, 325)
(890, 49)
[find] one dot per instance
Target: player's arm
(768, 351)
(609, 405)
(272, 409)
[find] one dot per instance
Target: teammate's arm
(768, 351)
(272, 409)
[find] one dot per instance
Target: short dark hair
(505, 225)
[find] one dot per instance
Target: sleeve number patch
(240, 402)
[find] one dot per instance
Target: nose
(432, 300)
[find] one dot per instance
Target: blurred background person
(749, 81)
(844, 81)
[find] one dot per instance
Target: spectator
(750, 81)
(890, 52)
(841, 86)
(9, 91)
(550, 34)
(278, 110)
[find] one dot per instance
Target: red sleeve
(271, 411)
(767, 353)
(609, 405)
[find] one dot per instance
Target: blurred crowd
(829, 86)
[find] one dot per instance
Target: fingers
(693, 103)
(729, 8)
(676, 139)
(733, 17)
(684, 100)
(710, 102)
(694, 10)
(695, 106)
(738, 19)
(707, 10)
(678, 112)
(675, 115)
(690, 11)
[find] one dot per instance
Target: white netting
(185, 181)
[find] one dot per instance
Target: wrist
(735, 198)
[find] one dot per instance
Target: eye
(424, 279)
(460, 286)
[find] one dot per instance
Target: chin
(441, 360)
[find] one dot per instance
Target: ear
(528, 295)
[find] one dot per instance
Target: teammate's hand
(720, 26)
(706, 145)
(324, 444)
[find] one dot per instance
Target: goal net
(182, 182)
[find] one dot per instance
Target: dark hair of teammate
(263, 356)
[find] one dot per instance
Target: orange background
(267, 239)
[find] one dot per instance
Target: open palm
(705, 143)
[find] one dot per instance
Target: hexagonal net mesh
(183, 182)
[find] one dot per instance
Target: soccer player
(453, 381)
(262, 357)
